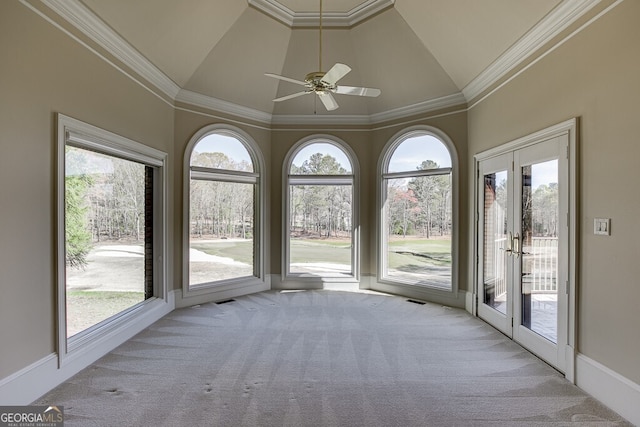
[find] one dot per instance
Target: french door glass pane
(221, 230)
(320, 237)
(540, 248)
(495, 241)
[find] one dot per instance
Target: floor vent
(225, 301)
(416, 302)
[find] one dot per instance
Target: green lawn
(316, 250)
(408, 254)
(421, 245)
(241, 251)
(415, 254)
(86, 308)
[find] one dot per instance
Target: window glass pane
(107, 200)
(540, 221)
(419, 224)
(419, 153)
(221, 152)
(496, 242)
(221, 231)
(321, 159)
(320, 229)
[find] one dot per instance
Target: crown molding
(204, 101)
(321, 119)
(280, 12)
(561, 17)
(429, 106)
(78, 15)
(420, 108)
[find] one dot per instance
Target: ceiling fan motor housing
(314, 80)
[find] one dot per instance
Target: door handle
(509, 249)
(516, 245)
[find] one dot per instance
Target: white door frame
(568, 129)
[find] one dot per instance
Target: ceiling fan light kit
(325, 84)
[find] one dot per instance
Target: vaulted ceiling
(419, 53)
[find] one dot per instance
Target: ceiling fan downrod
(320, 41)
(325, 84)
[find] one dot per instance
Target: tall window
(223, 209)
(417, 220)
(110, 228)
(320, 210)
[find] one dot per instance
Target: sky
(84, 162)
(215, 143)
(544, 173)
(413, 151)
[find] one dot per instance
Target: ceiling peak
(349, 18)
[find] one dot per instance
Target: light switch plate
(602, 226)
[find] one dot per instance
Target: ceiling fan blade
(293, 95)
(286, 79)
(358, 91)
(336, 72)
(328, 100)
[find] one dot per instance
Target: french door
(523, 245)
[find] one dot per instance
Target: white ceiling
(420, 53)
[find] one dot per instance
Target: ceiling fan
(324, 84)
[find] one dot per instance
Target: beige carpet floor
(323, 358)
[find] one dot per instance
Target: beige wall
(593, 76)
(42, 72)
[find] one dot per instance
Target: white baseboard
(33, 381)
(614, 390)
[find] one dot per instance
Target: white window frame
(384, 283)
(82, 135)
(225, 175)
(351, 179)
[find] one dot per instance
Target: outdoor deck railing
(544, 264)
(500, 258)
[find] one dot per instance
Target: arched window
(222, 208)
(417, 210)
(320, 204)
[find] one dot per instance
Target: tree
(545, 211)
(403, 208)
(322, 209)
(219, 208)
(433, 198)
(322, 164)
(77, 234)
